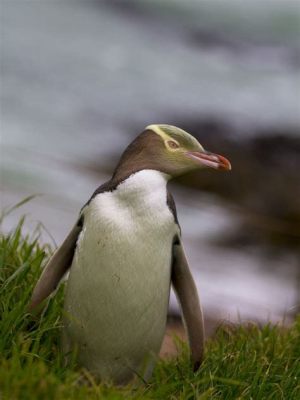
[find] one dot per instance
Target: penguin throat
(145, 182)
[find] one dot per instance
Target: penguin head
(170, 150)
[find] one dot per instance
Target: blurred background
(80, 79)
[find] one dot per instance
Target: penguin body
(123, 262)
(123, 254)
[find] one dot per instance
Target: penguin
(123, 254)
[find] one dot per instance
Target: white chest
(136, 209)
(129, 231)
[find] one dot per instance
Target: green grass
(244, 362)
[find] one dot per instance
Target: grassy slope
(241, 362)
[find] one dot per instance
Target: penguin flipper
(186, 291)
(56, 267)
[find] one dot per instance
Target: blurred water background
(80, 79)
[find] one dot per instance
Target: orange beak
(210, 160)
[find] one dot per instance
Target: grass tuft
(241, 362)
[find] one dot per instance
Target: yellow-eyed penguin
(123, 253)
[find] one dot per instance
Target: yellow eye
(172, 144)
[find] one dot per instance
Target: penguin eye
(172, 144)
